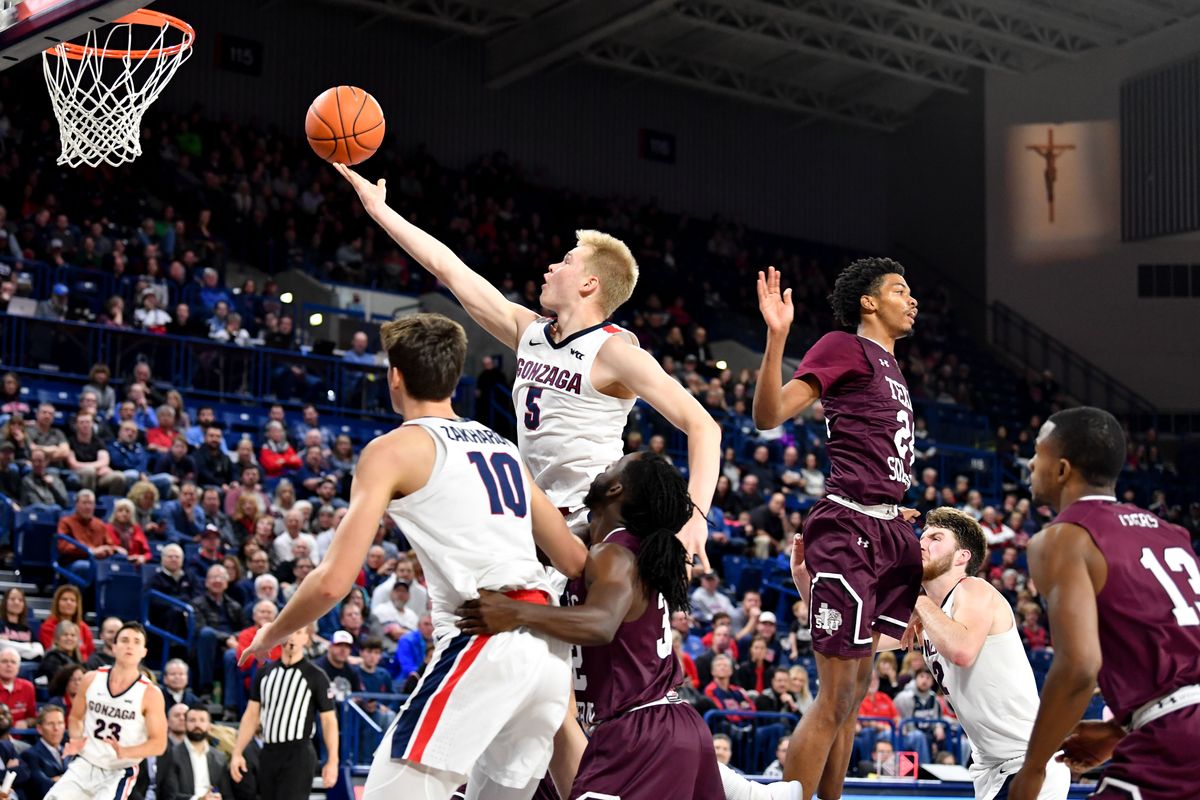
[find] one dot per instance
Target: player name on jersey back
(457, 433)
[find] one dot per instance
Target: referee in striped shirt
(286, 697)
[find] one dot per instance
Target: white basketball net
(99, 99)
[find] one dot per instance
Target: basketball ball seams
(312, 110)
(355, 134)
(333, 144)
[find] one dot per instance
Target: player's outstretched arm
(623, 364)
(501, 318)
(400, 461)
(775, 401)
(611, 574)
(959, 639)
(550, 533)
(1062, 562)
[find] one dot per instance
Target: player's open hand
(264, 641)
(914, 634)
(114, 744)
(1090, 744)
(694, 536)
(372, 195)
(909, 514)
(74, 747)
(491, 612)
(1027, 783)
(776, 306)
(800, 569)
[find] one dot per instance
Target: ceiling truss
(904, 49)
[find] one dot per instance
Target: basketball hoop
(100, 90)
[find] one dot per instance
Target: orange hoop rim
(142, 16)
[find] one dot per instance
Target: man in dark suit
(195, 768)
(44, 760)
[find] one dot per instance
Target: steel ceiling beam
(731, 82)
(452, 15)
(745, 19)
(893, 30)
(976, 18)
(563, 31)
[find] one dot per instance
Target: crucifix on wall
(1050, 151)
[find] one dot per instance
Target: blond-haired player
(577, 378)
(577, 375)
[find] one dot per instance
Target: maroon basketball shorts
(1156, 761)
(866, 574)
(663, 752)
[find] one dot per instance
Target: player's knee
(838, 702)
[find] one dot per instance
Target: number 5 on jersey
(533, 412)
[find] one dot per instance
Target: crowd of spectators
(231, 524)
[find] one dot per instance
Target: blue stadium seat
(118, 589)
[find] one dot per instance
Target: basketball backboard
(27, 27)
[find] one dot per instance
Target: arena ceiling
(868, 63)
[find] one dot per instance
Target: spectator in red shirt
(685, 661)
(85, 528)
(127, 535)
(238, 678)
(1033, 635)
(16, 693)
(67, 604)
(159, 439)
(277, 455)
(724, 694)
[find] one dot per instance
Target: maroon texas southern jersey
(1149, 609)
(869, 417)
(638, 666)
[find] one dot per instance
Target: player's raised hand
(1090, 744)
(264, 642)
(491, 612)
(372, 195)
(693, 536)
(775, 306)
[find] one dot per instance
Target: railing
(353, 719)
(754, 743)
(1024, 341)
(206, 368)
(71, 575)
(169, 638)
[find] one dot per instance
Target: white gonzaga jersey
(569, 432)
(471, 523)
(112, 716)
(995, 699)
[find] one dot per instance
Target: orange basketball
(344, 125)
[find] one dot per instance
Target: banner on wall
(1062, 183)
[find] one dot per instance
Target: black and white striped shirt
(291, 697)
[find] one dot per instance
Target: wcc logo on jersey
(827, 619)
